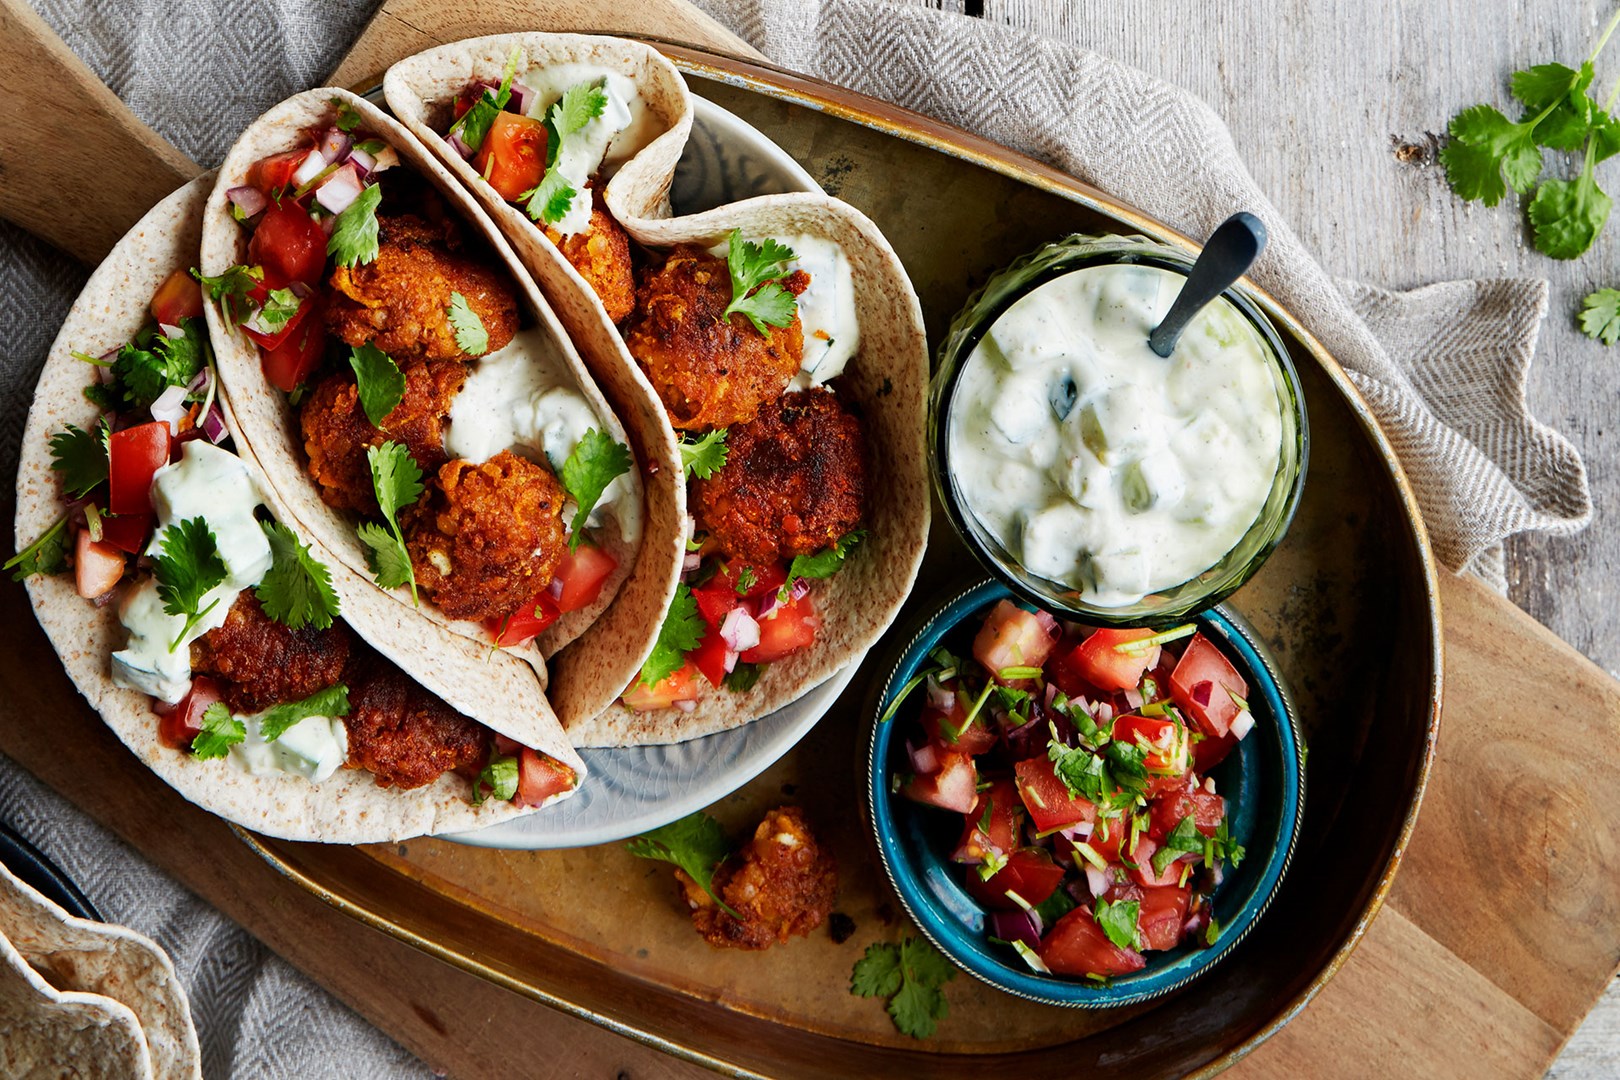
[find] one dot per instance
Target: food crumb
(840, 927)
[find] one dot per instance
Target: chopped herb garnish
(680, 633)
(189, 567)
(297, 589)
(47, 555)
(911, 975)
(378, 380)
(81, 457)
(1600, 316)
(706, 456)
(823, 564)
(471, 337)
(1118, 921)
(743, 677)
(354, 238)
(500, 776)
(348, 118)
(332, 701)
(230, 291)
(1142, 645)
(756, 291)
(594, 464)
(550, 200)
(220, 731)
(475, 123)
(397, 481)
(695, 843)
(280, 305)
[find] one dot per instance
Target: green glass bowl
(1168, 605)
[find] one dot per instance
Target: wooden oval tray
(1347, 603)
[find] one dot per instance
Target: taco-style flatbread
(53, 1033)
(408, 736)
(414, 402)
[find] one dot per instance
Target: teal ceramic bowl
(1263, 781)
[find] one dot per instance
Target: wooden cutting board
(1501, 931)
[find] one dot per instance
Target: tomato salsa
(1079, 762)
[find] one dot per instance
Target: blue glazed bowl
(1263, 781)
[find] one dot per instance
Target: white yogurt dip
(604, 143)
(1097, 463)
(314, 748)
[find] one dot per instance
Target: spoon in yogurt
(1227, 256)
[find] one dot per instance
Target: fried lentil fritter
(794, 481)
(601, 254)
(400, 302)
(337, 432)
(782, 883)
(709, 372)
(486, 537)
(402, 734)
(261, 662)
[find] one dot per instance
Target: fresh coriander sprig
(471, 337)
(500, 776)
(549, 200)
(476, 121)
(680, 633)
(46, 555)
(911, 975)
(397, 481)
(1118, 921)
(756, 291)
(354, 236)
(81, 457)
(332, 701)
(1600, 316)
(230, 291)
(377, 380)
(695, 843)
(187, 570)
(596, 461)
(220, 731)
(706, 456)
(297, 589)
(823, 564)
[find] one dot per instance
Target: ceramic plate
(632, 790)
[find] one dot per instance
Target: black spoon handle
(1227, 256)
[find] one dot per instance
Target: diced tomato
(1047, 798)
(1005, 816)
(1101, 664)
(1208, 753)
(259, 294)
(181, 722)
(97, 566)
(507, 746)
(1162, 916)
(1063, 671)
(789, 628)
(1030, 872)
(717, 596)
(681, 685)
(1206, 809)
(466, 99)
(1143, 872)
(133, 455)
(1203, 684)
(276, 171)
(582, 574)
(300, 353)
(288, 244)
(715, 602)
(1012, 637)
(527, 622)
(713, 656)
(947, 730)
(1167, 742)
(953, 786)
(1110, 840)
(1163, 784)
(540, 777)
(512, 156)
(1076, 945)
(129, 532)
(179, 297)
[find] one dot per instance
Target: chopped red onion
(801, 588)
(335, 145)
(308, 169)
(1242, 724)
(940, 698)
(693, 560)
(731, 661)
(1097, 880)
(555, 588)
(213, 425)
(1104, 713)
(198, 382)
(328, 223)
(765, 606)
(171, 331)
(1051, 694)
(362, 161)
(924, 759)
(1133, 698)
(1196, 924)
(523, 97)
(170, 406)
(300, 289)
(739, 630)
(686, 706)
(1080, 830)
(249, 200)
(1017, 925)
(1048, 623)
(387, 158)
(460, 146)
(340, 189)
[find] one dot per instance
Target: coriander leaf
(280, 305)
(578, 106)
(743, 677)
(549, 200)
(500, 776)
(333, 702)
(1127, 762)
(594, 464)
(354, 236)
(378, 380)
(754, 293)
(1600, 316)
(220, 731)
(1054, 907)
(1605, 138)
(1118, 921)
(395, 477)
(153, 362)
(471, 337)
(387, 556)
(1185, 837)
(695, 843)
(1568, 124)
(910, 975)
(47, 555)
(347, 117)
(1473, 173)
(297, 589)
(680, 633)
(475, 123)
(877, 974)
(706, 456)
(1511, 146)
(81, 458)
(823, 564)
(189, 567)
(1567, 214)
(1548, 84)
(230, 291)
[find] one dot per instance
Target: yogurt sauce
(210, 483)
(1099, 464)
(523, 398)
(314, 748)
(605, 143)
(832, 330)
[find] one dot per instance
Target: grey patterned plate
(632, 790)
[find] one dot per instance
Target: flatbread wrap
(166, 573)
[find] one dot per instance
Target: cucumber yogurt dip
(1100, 465)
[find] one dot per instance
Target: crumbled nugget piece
(794, 481)
(337, 431)
(262, 662)
(400, 301)
(403, 735)
(709, 371)
(601, 254)
(486, 537)
(782, 883)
